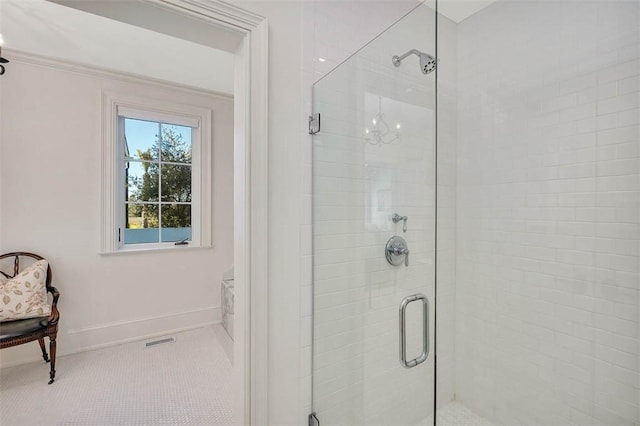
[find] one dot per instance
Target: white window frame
(113, 194)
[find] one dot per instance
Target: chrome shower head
(427, 62)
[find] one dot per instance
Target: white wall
(50, 181)
(285, 182)
(52, 30)
(548, 287)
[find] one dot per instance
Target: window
(159, 169)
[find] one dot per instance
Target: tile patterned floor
(188, 382)
(456, 414)
(182, 383)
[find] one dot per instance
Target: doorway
(244, 36)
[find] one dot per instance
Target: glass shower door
(374, 231)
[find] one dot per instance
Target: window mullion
(159, 182)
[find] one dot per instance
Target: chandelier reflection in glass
(380, 133)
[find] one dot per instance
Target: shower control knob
(397, 218)
(405, 253)
(397, 251)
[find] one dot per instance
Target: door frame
(250, 199)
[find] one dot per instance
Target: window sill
(161, 249)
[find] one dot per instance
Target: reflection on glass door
(374, 231)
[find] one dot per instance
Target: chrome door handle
(425, 332)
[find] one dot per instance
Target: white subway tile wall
(538, 205)
(548, 284)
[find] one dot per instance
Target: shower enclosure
(476, 190)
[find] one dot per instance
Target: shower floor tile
(456, 414)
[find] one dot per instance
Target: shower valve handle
(397, 218)
(403, 252)
(396, 251)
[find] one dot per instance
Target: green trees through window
(158, 178)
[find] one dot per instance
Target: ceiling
(67, 34)
(458, 10)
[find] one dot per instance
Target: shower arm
(398, 59)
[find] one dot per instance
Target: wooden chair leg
(44, 351)
(52, 351)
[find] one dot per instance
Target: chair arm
(56, 294)
(55, 314)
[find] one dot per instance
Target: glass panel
(142, 181)
(176, 222)
(176, 143)
(374, 157)
(141, 139)
(141, 224)
(176, 183)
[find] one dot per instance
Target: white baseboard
(117, 333)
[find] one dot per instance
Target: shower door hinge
(313, 420)
(314, 124)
